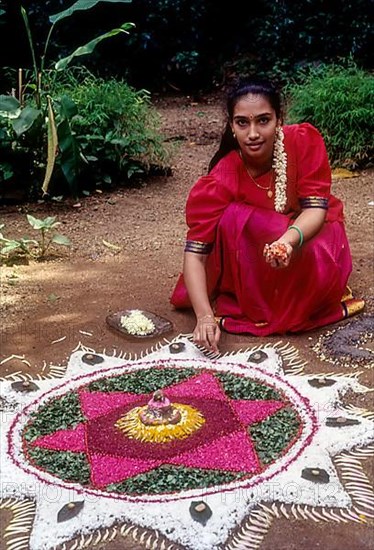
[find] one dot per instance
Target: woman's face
(254, 123)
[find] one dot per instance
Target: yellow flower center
(190, 421)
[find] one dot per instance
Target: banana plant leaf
(25, 120)
(82, 5)
(90, 46)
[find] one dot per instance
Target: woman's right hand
(278, 254)
(207, 332)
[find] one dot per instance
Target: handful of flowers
(276, 251)
(137, 324)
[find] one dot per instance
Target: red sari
(232, 219)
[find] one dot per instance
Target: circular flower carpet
(194, 450)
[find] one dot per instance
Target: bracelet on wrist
(301, 235)
(206, 318)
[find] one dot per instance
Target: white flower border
(172, 518)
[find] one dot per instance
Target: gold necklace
(268, 189)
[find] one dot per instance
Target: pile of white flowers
(137, 323)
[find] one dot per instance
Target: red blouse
(308, 181)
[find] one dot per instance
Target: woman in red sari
(266, 242)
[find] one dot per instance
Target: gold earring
(234, 135)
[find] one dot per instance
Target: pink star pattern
(222, 443)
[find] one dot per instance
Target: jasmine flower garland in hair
(280, 170)
(137, 323)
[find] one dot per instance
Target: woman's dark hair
(242, 87)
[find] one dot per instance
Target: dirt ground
(48, 308)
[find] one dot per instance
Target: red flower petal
(110, 469)
(98, 403)
(233, 452)
(64, 440)
(250, 412)
(205, 385)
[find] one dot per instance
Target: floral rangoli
(159, 440)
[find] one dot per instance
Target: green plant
(35, 116)
(15, 246)
(339, 101)
(35, 248)
(115, 127)
(46, 228)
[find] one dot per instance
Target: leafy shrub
(32, 120)
(116, 126)
(339, 101)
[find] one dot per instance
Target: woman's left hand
(278, 254)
